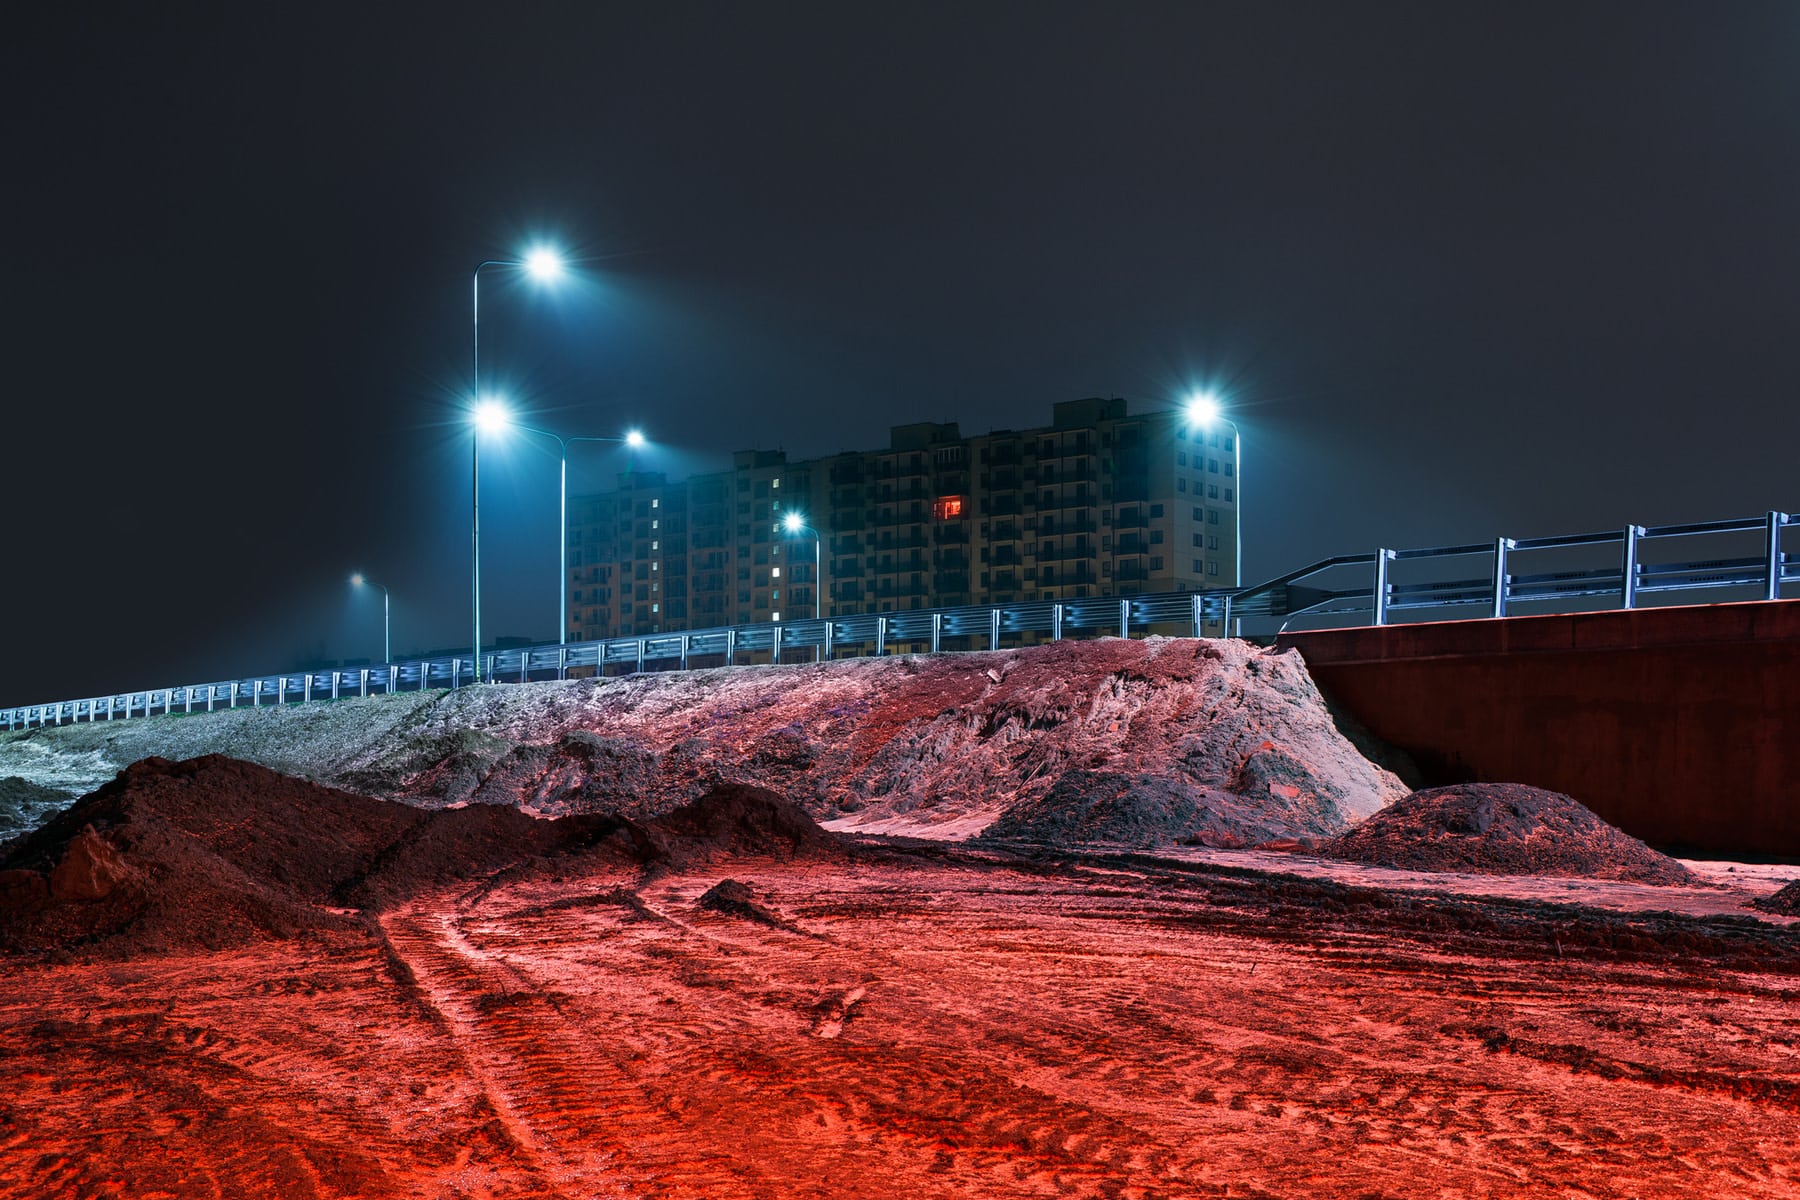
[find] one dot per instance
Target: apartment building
(1101, 501)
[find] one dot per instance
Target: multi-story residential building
(1100, 502)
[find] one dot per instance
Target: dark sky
(1460, 270)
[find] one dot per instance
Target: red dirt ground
(926, 1023)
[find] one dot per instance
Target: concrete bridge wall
(1679, 725)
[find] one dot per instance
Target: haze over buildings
(1102, 501)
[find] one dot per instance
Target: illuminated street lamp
(794, 523)
(635, 440)
(543, 265)
(359, 581)
(1203, 411)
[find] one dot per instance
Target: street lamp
(543, 265)
(1204, 410)
(795, 523)
(359, 581)
(633, 438)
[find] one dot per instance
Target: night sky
(1458, 269)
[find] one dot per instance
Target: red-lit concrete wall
(1679, 725)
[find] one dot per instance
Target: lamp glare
(635, 439)
(544, 265)
(1203, 409)
(491, 416)
(794, 522)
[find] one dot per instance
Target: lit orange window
(949, 506)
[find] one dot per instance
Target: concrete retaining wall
(1679, 725)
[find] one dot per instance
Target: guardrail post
(686, 646)
(363, 682)
(524, 666)
(731, 647)
(880, 637)
(562, 662)
(1776, 521)
(1124, 618)
(455, 672)
(937, 631)
(336, 675)
(306, 689)
(830, 636)
(775, 644)
(1502, 579)
(1629, 572)
(490, 668)
(993, 629)
(1225, 618)
(1380, 605)
(640, 657)
(1197, 613)
(1056, 616)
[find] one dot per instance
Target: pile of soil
(215, 852)
(1502, 829)
(206, 853)
(1785, 902)
(737, 820)
(1108, 808)
(735, 898)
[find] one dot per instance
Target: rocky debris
(935, 745)
(214, 852)
(1103, 807)
(1785, 902)
(1503, 829)
(23, 804)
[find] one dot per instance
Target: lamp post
(634, 439)
(795, 523)
(358, 580)
(543, 265)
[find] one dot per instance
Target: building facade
(1101, 502)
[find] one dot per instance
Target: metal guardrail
(1366, 587)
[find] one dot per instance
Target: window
(1212, 464)
(775, 616)
(1199, 567)
(1181, 485)
(1228, 495)
(1212, 516)
(1212, 491)
(1156, 510)
(947, 507)
(1212, 542)
(656, 608)
(1212, 567)
(774, 483)
(1227, 469)
(656, 504)
(655, 545)
(1181, 459)
(1156, 564)
(1199, 513)
(1156, 537)
(656, 524)
(1198, 544)
(776, 573)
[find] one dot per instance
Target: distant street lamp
(794, 523)
(1204, 410)
(543, 265)
(635, 440)
(359, 581)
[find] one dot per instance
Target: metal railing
(1517, 576)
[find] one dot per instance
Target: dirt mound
(735, 898)
(739, 820)
(209, 852)
(1502, 829)
(1785, 902)
(214, 852)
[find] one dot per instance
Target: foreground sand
(936, 1024)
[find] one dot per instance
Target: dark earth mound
(1502, 829)
(740, 819)
(735, 898)
(214, 852)
(1087, 807)
(1786, 902)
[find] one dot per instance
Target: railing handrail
(1285, 597)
